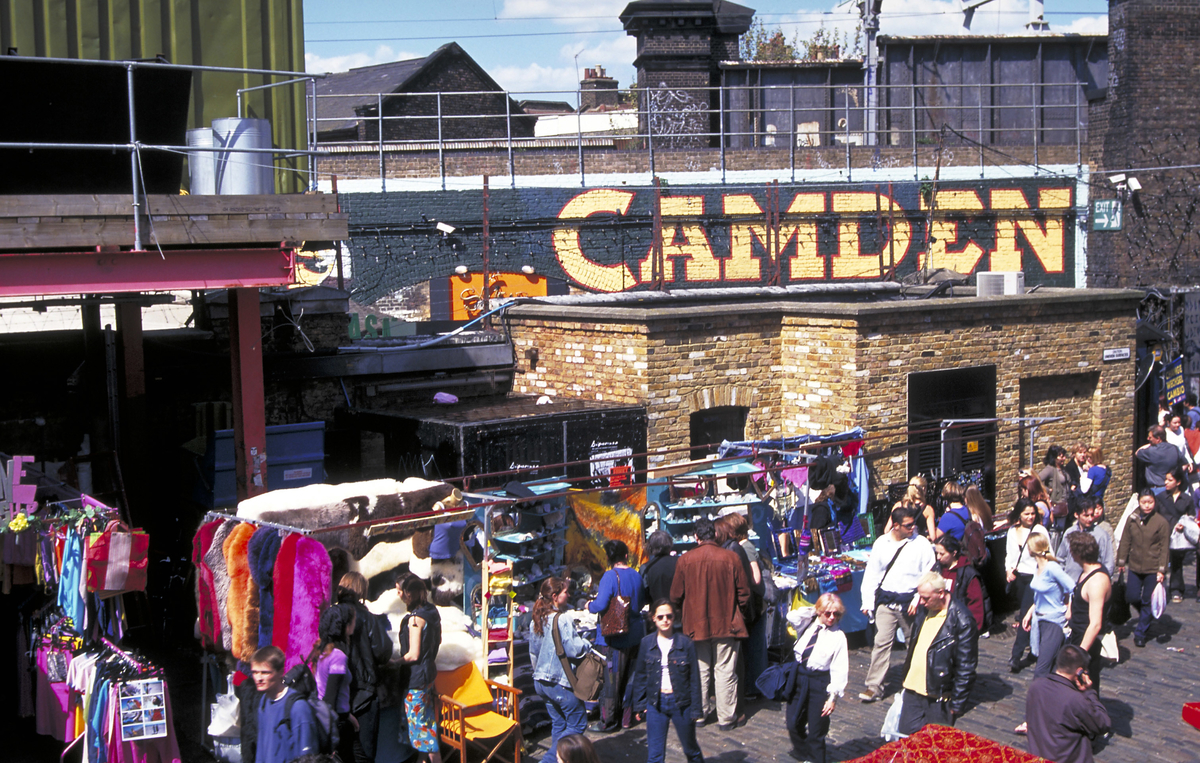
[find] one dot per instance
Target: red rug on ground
(1191, 714)
(942, 744)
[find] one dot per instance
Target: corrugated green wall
(251, 34)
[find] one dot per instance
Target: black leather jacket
(682, 666)
(952, 658)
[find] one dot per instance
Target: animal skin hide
(208, 616)
(214, 558)
(240, 609)
(316, 506)
(285, 582)
(385, 557)
(457, 648)
(264, 546)
(311, 591)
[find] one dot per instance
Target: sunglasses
(831, 613)
(664, 617)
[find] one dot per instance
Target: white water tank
(995, 284)
(202, 168)
(242, 172)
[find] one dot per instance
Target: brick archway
(722, 395)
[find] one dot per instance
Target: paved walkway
(1144, 695)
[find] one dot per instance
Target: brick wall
(629, 155)
(823, 368)
(1151, 108)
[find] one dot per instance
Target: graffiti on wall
(606, 239)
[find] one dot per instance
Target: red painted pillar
(249, 415)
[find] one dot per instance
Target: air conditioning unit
(990, 284)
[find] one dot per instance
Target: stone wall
(822, 368)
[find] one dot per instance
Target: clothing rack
(124, 656)
(210, 516)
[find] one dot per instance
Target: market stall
(74, 679)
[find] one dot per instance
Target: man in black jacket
(1063, 712)
(942, 656)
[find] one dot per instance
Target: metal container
(202, 169)
(243, 173)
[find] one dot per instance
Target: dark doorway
(712, 425)
(935, 397)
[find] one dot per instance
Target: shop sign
(1173, 376)
(15, 497)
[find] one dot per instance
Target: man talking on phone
(1063, 712)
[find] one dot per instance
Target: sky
(543, 46)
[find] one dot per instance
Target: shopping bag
(1158, 601)
(226, 719)
(891, 721)
(1118, 613)
(1109, 650)
(116, 559)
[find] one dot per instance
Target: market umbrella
(942, 744)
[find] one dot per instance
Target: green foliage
(761, 43)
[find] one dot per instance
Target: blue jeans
(567, 715)
(1139, 588)
(658, 719)
(754, 651)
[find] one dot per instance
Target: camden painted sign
(618, 239)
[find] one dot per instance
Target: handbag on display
(587, 676)
(614, 621)
(116, 559)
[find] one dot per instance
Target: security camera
(1116, 179)
(446, 228)
(1134, 185)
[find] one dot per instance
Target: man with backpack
(287, 726)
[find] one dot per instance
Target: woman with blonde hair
(980, 511)
(914, 496)
(1047, 618)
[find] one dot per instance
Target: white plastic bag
(1185, 539)
(1158, 601)
(225, 719)
(891, 722)
(1108, 647)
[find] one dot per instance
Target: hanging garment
(242, 607)
(50, 701)
(310, 592)
(156, 750)
(214, 558)
(264, 547)
(285, 581)
(209, 618)
(70, 597)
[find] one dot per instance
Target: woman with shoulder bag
(568, 715)
(618, 602)
(668, 671)
(1019, 567)
(1175, 503)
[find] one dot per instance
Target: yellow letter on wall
(1045, 242)
(742, 265)
(850, 261)
(700, 263)
(575, 263)
(806, 263)
(944, 233)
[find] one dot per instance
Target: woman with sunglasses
(823, 656)
(667, 669)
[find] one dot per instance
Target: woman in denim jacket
(567, 712)
(667, 668)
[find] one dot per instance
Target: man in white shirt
(1175, 436)
(889, 591)
(823, 670)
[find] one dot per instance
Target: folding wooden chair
(474, 712)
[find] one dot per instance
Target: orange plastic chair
(473, 712)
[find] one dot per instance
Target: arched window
(712, 425)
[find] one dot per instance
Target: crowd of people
(683, 639)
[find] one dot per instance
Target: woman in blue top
(954, 521)
(568, 715)
(1047, 617)
(616, 709)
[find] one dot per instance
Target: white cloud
(1087, 25)
(533, 78)
(381, 55)
(558, 73)
(945, 17)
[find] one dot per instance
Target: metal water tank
(202, 168)
(244, 172)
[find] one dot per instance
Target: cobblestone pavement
(1144, 695)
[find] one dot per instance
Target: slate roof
(368, 81)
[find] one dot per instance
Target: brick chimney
(598, 90)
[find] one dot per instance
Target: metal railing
(134, 146)
(993, 121)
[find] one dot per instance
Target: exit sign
(1107, 214)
